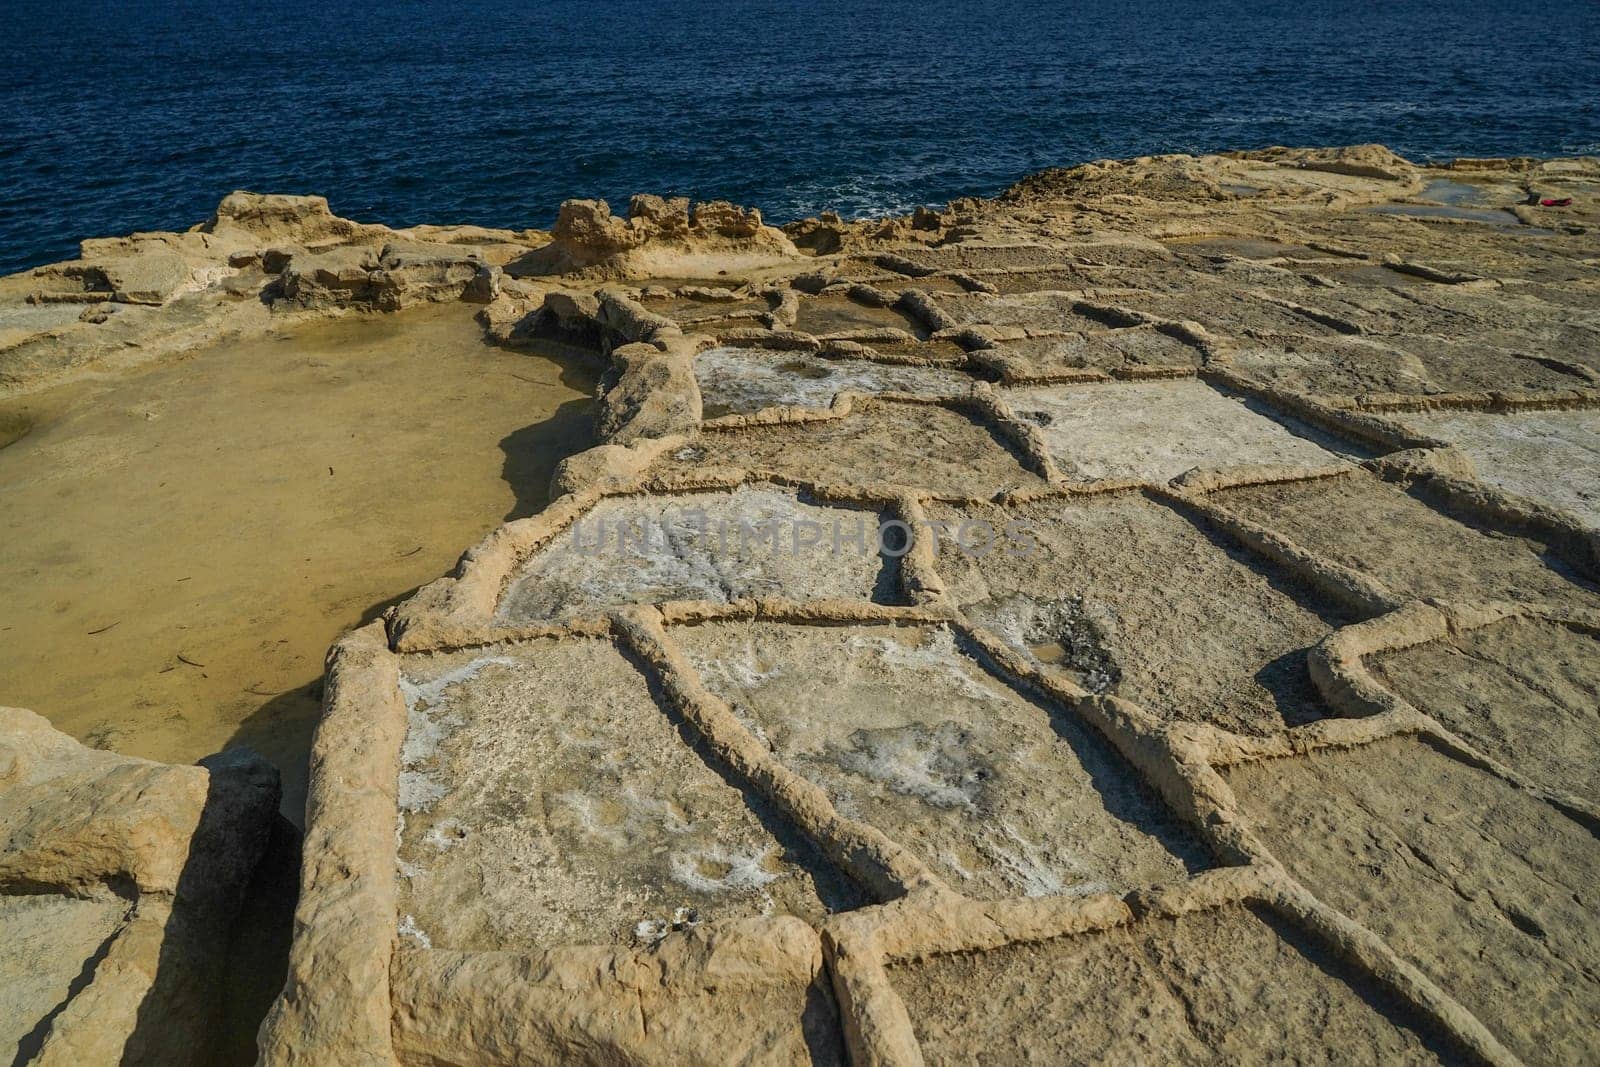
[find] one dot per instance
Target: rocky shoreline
(1279, 741)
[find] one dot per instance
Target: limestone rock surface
(120, 880)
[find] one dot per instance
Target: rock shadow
(1287, 680)
(32, 1042)
(533, 452)
(185, 1004)
(1280, 579)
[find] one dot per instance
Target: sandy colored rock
(1086, 353)
(326, 279)
(335, 1001)
(1525, 691)
(839, 315)
(589, 225)
(1143, 792)
(120, 880)
(740, 381)
(749, 991)
(50, 941)
(669, 215)
(274, 217)
(655, 395)
(907, 444)
(1483, 887)
(1360, 161)
(1233, 984)
(711, 316)
(1376, 527)
(998, 749)
(74, 816)
(162, 294)
(393, 276)
(659, 236)
(1158, 430)
(1550, 456)
(1132, 598)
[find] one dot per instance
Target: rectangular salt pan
(1227, 986)
(743, 380)
(1157, 430)
(701, 546)
(907, 733)
(545, 798)
(1551, 456)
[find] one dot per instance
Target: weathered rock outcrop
(1356, 161)
(161, 293)
(658, 236)
(655, 394)
(119, 883)
(1225, 177)
(151, 278)
(270, 218)
(829, 234)
(398, 275)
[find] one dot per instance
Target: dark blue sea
(142, 115)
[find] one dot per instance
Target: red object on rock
(1563, 202)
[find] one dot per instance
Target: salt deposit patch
(907, 732)
(743, 380)
(751, 541)
(1550, 456)
(566, 807)
(21, 321)
(426, 729)
(1157, 430)
(1036, 311)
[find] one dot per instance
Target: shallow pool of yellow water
(180, 544)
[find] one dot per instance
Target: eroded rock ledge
(1274, 738)
(120, 880)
